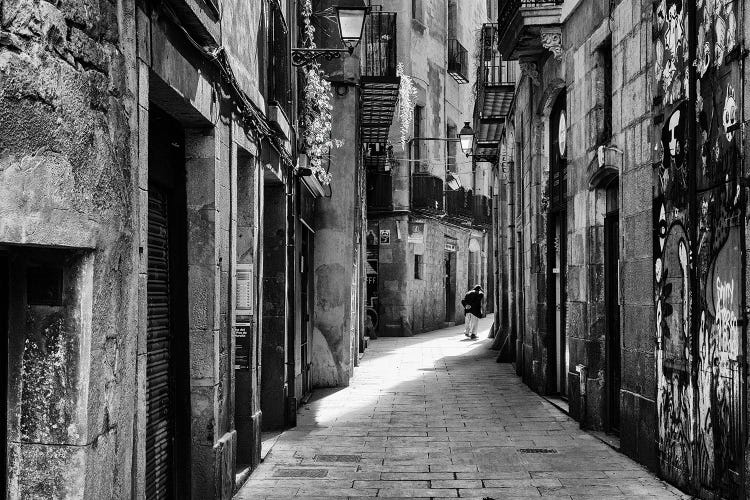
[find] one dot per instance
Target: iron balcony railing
(379, 45)
(482, 210)
(509, 8)
(458, 61)
(493, 70)
(427, 192)
(379, 191)
(458, 203)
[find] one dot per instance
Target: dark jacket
(473, 299)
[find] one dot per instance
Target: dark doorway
(306, 308)
(612, 300)
(4, 284)
(450, 287)
(557, 288)
(274, 334)
(557, 245)
(167, 372)
(247, 325)
(520, 311)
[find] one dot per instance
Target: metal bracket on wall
(303, 57)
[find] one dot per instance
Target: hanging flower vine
(407, 98)
(316, 117)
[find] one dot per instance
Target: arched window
(558, 154)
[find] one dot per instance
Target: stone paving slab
(433, 416)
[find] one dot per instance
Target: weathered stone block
(202, 357)
(224, 463)
(637, 282)
(647, 433)
(637, 237)
(46, 471)
(639, 332)
(87, 51)
(629, 419)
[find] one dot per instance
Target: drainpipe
(291, 273)
(510, 234)
(582, 377)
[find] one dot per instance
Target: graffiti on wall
(698, 213)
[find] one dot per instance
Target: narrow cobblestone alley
(433, 416)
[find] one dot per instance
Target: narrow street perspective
(434, 416)
(405, 248)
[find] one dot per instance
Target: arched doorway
(557, 230)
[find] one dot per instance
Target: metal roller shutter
(159, 396)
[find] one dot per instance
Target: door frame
(612, 319)
(450, 286)
(556, 301)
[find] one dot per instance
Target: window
(604, 92)
(558, 153)
(452, 16)
(278, 78)
(416, 10)
(450, 148)
(417, 267)
(417, 136)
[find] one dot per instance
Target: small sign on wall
(242, 347)
(416, 232)
(385, 236)
(244, 289)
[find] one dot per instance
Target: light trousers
(472, 322)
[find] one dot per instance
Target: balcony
(379, 192)
(496, 87)
(426, 192)
(379, 81)
(458, 61)
(529, 27)
(482, 211)
(459, 204)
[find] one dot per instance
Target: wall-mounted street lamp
(452, 181)
(351, 21)
(466, 137)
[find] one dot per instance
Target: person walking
(472, 303)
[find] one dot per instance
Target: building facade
(157, 245)
(619, 218)
(428, 203)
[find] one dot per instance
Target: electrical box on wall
(245, 295)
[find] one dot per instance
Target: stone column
(332, 355)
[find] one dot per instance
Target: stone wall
(67, 180)
(632, 117)
(337, 258)
(589, 30)
(79, 84)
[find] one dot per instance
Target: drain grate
(300, 473)
(337, 458)
(537, 450)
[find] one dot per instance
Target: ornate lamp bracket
(303, 57)
(552, 40)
